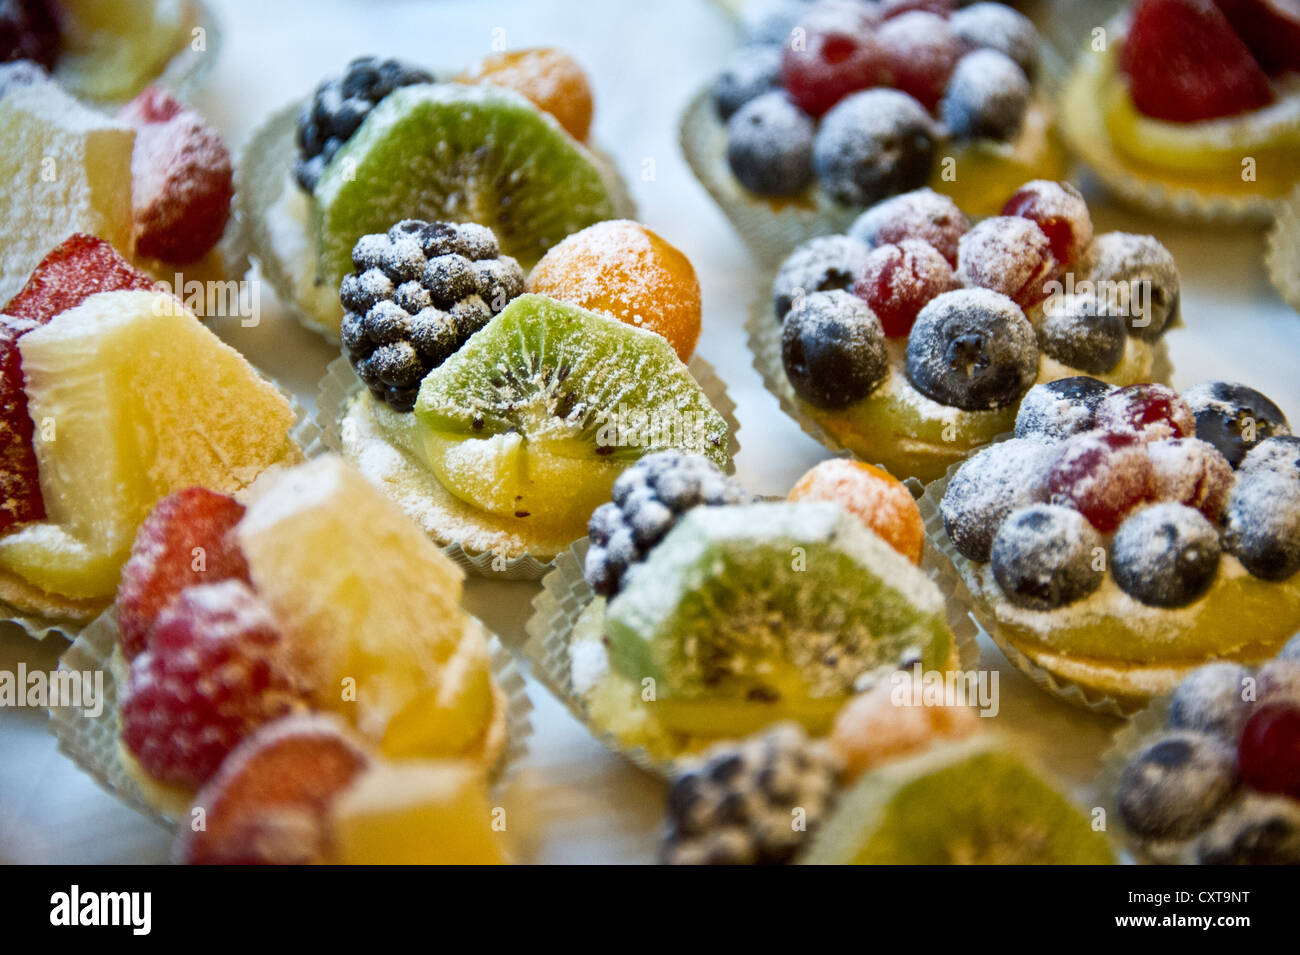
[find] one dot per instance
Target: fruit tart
(500, 145)
(848, 103)
(911, 340)
(897, 782)
(1210, 773)
(498, 418)
(362, 666)
(696, 613)
(1125, 536)
(107, 51)
(1192, 107)
(114, 396)
(1283, 256)
(155, 181)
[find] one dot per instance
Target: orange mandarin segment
(874, 496)
(626, 271)
(550, 78)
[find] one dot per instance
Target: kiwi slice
(545, 405)
(769, 610)
(464, 154)
(972, 802)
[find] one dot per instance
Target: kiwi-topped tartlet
(911, 340)
(1125, 536)
(383, 142)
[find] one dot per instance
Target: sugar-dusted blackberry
(987, 487)
(339, 106)
(986, 98)
(1045, 556)
(754, 802)
(872, 145)
(1263, 518)
(1175, 785)
(972, 349)
(824, 264)
(995, 26)
(770, 145)
(1055, 410)
(1254, 829)
(29, 30)
(1233, 417)
(418, 292)
(1081, 332)
(647, 500)
(1165, 555)
(748, 72)
(1141, 275)
(1211, 699)
(833, 349)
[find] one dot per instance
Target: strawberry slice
(1271, 28)
(78, 268)
(1185, 63)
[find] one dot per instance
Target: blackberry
(750, 803)
(417, 294)
(339, 106)
(647, 500)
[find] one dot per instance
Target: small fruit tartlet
(339, 679)
(154, 180)
(1283, 256)
(911, 340)
(501, 145)
(1125, 536)
(897, 782)
(1210, 774)
(498, 418)
(107, 51)
(113, 396)
(845, 103)
(699, 613)
(1192, 107)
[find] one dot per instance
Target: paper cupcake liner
(565, 594)
(1126, 741)
(276, 216)
(1283, 255)
(92, 741)
(341, 383)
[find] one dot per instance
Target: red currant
(1268, 756)
(898, 280)
(1146, 412)
(838, 55)
(1101, 475)
(1059, 211)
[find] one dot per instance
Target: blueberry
(996, 26)
(1210, 700)
(833, 349)
(824, 264)
(1138, 274)
(972, 349)
(770, 145)
(1044, 557)
(1263, 525)
(1078, 331)
(872, 145)
(986, 98)
(749, 72)
(1165, 555)
(1175, 785)
(1253, 830)
(1233, 417)
(986, 488)
(1053, 411)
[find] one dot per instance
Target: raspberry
(216, 669)
(1011, 255)
(338, 107)
(1101, 476)
(1146, 412)
(898, 280)
(922, 214)
(920, 51)
(1271, 28)
(840, 55)
(1268, 756)
(185, 540)
(1060, 211)
(29, 30)
(418, 293)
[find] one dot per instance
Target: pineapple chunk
(371, 610)
(66, 169)
(112, 49)
(416, 813)
(132, 399)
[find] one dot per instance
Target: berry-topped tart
(502, 145)
(1210, 773)
(107, 51)
(1192, 107)
(910, 340)
(697, 612)
(839, 104)
(895, 783)
(359, 712)
(1125, 536)
(113, 396)
(499, 418)
(154, 180)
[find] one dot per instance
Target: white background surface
(575, 802)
